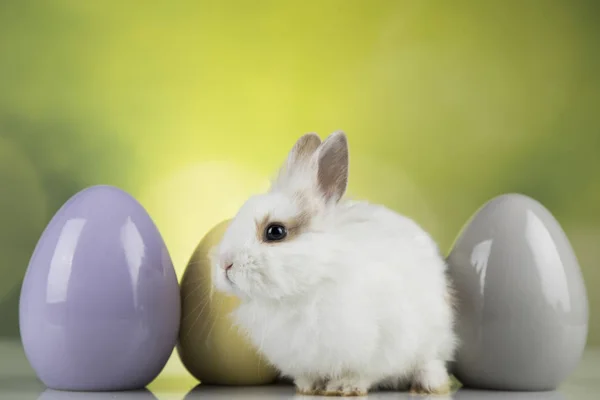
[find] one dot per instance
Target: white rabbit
(342, 297)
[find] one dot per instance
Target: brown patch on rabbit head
(294, 226)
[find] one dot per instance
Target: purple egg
(100, 306)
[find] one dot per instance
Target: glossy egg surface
(522, 302)
(100, 305)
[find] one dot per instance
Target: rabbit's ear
(332, 167)
(299, 157)
(302, 151)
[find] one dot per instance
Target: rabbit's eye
(275, 232)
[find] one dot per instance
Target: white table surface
(18, 381)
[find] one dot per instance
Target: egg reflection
(143, 394)
(468, 394)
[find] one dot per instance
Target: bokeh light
(188, 203)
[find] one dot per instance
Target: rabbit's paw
(346, 387)
(309, 385)
(431, 379)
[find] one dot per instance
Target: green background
(190, 106)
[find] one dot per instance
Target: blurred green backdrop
(190, 106)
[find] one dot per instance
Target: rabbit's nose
(226, 263)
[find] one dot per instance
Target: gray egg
(522, 303)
